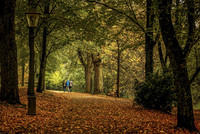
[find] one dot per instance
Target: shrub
(156, 92)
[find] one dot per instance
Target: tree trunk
(41, 80)
(85, 65)
(149, 43)
(36, 65)
(178, 62)
(197, 57)
(88, 73)
(98, 77)
(23, 70)
(88, 69)
(162, 61)
(118, 69)
(9, 73)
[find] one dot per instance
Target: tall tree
(118, 67)
(41, 80)
(87, 64)
(9, 75)
(178, 60)
(149, 42)
(23, 71)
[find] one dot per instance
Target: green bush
(156, 92)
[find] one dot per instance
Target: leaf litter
(59, 112)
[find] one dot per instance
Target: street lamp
(32, 18)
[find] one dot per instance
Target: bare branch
(52, 9)
(53, 48)
(131, 7)
(51, 29)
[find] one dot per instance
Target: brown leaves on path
(59, 112)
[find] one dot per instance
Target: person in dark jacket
(70, 85)
(64, 85)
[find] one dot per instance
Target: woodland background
(80, 32)
(105, 47)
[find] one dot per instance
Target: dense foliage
(156, 93)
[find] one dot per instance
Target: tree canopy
(110, 47)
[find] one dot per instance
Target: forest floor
(59, 112)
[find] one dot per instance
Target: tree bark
(118, 69)
(41, 80)
(149, 43)
(9, 72)
(88, 74)
(23, 70)
(162, 61)
(191, 28)
(98, 77)
(185, 115)
(87, 64)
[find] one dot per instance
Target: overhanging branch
(132, 19)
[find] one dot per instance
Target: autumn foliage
(59, 112)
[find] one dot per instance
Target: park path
(59, 112)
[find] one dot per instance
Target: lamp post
(32, 18)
